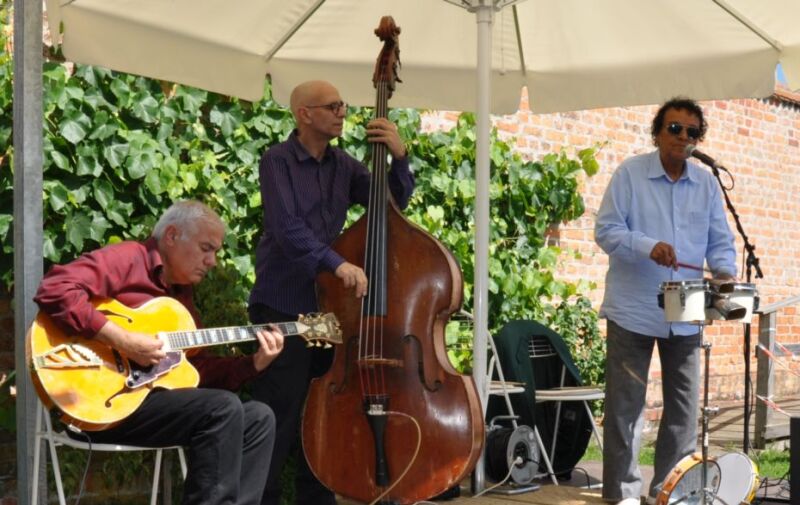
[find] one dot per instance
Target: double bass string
(380, 168)
(372, 328)
(363, 337)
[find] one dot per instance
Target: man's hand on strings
(352, 277)
(270, 344)
(382, 130)
(144, 349)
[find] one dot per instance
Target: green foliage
(6, 152)
(222, 298)
(120, 148)
(577, 323)
(772, 463)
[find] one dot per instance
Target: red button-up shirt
(131, 273)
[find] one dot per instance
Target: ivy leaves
(118, 149)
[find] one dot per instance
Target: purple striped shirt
(305, 206)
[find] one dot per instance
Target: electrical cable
(517, 461)
(88, 462)
(588, 480)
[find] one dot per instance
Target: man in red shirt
(229, 442)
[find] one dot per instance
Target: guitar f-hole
(118, 361)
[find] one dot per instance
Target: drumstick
(693, 267)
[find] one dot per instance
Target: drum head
(688, 489)
(739, 479)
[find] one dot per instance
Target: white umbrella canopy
(571, 54)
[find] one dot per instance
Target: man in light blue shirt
(659, 211)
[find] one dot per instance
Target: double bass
(392, 420)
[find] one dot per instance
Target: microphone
(691, 150)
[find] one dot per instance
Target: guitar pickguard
(139, 375)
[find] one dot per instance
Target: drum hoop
(675, 285)
(678, 472)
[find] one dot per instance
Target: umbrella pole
(484, 16)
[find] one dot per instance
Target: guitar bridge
(68, 356)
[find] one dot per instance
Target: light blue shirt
(642, 207)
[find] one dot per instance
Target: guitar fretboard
(228, 335)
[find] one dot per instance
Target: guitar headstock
(321, 329)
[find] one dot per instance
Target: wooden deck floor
(726, 429)
(547, 495)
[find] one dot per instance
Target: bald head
(310, 93)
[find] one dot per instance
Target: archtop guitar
(94, 387)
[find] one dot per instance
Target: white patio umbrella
(571, 55)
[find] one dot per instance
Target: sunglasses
(692, 132)
(334, 107)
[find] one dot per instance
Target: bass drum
(684, 484)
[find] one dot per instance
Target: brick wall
(758, 140)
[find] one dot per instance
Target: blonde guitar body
(89, 389)
(95, 387)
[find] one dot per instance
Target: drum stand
(708, 494)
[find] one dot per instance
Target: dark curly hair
(678, 103)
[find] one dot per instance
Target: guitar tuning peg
(327, 345)
(309, 345)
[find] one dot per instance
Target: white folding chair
(540, 348)
(57, 438)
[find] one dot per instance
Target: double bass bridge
(372, 362)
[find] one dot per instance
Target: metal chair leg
(594, 425)
(543, 452)
(37, 449)
(156, 477)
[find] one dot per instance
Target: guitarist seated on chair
(229, 442)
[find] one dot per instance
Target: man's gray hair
(184, 215)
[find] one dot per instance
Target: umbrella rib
(519, 40)
(298, 24)
(750, 25)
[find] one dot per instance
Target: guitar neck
(229, 335)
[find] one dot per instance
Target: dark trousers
(283, 386)
(627, 372)
(229, 442)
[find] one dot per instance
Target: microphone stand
(751, 262)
